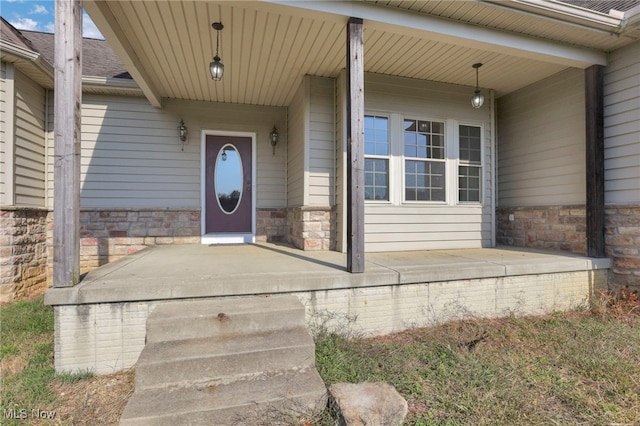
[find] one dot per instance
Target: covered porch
(101, 322)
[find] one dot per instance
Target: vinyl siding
(298, 112)
(29, 155)
(341, 162)
(541, 152)
(132, 158)
(321, 142)
(399, 225)
(6, 131)
(622, 126)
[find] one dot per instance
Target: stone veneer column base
(271, 225)
(23, 252)
(311, 227)
(561, 228)
(622, 244)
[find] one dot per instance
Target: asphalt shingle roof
(98, 59)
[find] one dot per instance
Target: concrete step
(208, 360)
(253, 400)
(182, 320)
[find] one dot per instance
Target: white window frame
(389, 157)
(445, 160)
(482, 163)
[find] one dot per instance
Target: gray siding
(29, 154)
(541, 152)
(132, 158)
(6, 130)
(321, 142)
(298, 112)
(622, 126)
(398, 225)
(341, 162)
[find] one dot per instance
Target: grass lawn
(579, 367)
(575, 368)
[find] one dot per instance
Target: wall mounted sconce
(477, 100)
(216, 68)
(183, 132)
(273, 137)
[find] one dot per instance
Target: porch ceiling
(267, 47)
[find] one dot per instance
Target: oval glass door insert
(228, 179)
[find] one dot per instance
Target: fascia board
(450, 31)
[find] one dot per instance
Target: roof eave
(611, 23)
(33, 62)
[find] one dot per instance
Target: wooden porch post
(594, 101)
(355, 146)
(67, 104)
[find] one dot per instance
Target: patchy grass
(31, 390)
(574, 368)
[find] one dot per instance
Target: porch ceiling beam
(449, 31)
(106, 22)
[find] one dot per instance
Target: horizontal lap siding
(542, 143)
(622, 126)
(321, 142)
(341, 161)
(29, 154)
(424, 226)
(297, 117)
(132, 158)
(5, 134)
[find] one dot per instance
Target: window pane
(470, 144)
(376, 179)
(469, 183)
(424, 180)
(376, 135)
(418, 134)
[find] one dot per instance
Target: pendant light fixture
(216, 67)
(477, 100)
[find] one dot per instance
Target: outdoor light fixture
(216, 67)
(182, 133)
(274, 138)
(477, 100)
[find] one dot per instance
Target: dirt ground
(99, 400)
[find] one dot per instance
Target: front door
(228, 184)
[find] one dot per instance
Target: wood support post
(67, 104)
(355, 146)
(594, 102)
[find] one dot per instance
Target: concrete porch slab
(195, 271)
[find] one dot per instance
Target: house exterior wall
(541, 153)
(140, 188)
(6, 129)
(24, 218)
(296, 158)
(311, 165)
(30, 150)
(622, 165)
(541, 165)
(398, 225)
(321, 142)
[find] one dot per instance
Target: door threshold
(237, 238)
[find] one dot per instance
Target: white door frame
(226, 238)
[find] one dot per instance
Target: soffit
(267, 49)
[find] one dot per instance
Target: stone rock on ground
(368, 404)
